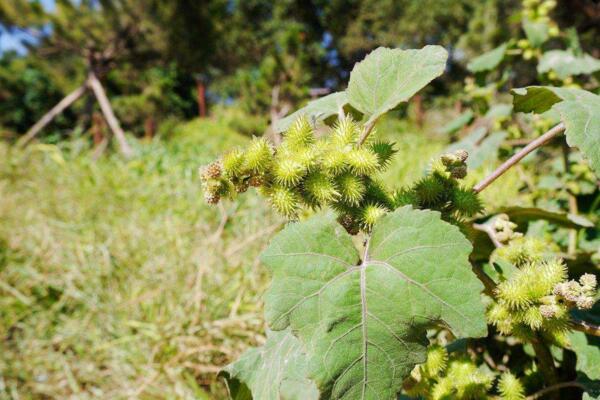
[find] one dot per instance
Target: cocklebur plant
(352, 319)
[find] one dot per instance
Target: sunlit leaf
(388, 77)
(275, 371)
(363, 319)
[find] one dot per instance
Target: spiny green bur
(334, 171)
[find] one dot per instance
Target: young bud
(585, 302)
(242, 186)
(588, 281)
(257, 180)
(210, 171)
(459, 172)
(212, 197)
(462, 155)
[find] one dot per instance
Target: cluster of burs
(338, 171)
(443, 376)
(537, 295)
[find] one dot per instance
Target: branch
(540, 141)
(585, 327)
(50, 115)
(552, 388)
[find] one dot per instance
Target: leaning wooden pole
(109, 115)
(50, 115)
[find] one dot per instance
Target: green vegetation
(286, 200)
(117, 281)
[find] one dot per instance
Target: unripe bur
(510, 387)
(259, 156)
(363, 161)
(233, 163)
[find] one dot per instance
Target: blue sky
(10, 41)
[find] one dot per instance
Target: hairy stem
(545, 363)
(540, 141)
(585, 327)
(366, 131)
(553, 388)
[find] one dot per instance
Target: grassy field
(117, 281)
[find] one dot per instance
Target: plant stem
(367, 130)
(585, 327)
(553, 388)
(540, 141)
(545, 363)
(573, 209)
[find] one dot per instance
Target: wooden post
(149, 128)
(109, 115)
(50, 115)
(97, 129)
(419, 113)
(201, 88)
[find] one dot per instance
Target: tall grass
(116, 281)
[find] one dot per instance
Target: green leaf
(488, 61)
(578, 109)
(275, 371)
(364, 322)
(499, 111)
(316, 110)
(587, 349)
(537, 32)
(388, 77)
(523, 215)
(591, 388)
(565, 63)
(457, 123)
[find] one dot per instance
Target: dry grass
(116, 281)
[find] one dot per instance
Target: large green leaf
(488, 61)
(458, 122)
(523, 215)
(565, 63)
(316, 110)
(578, 109)
(388, 77)
(363, 321)
(275, 371)
(587, 349)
